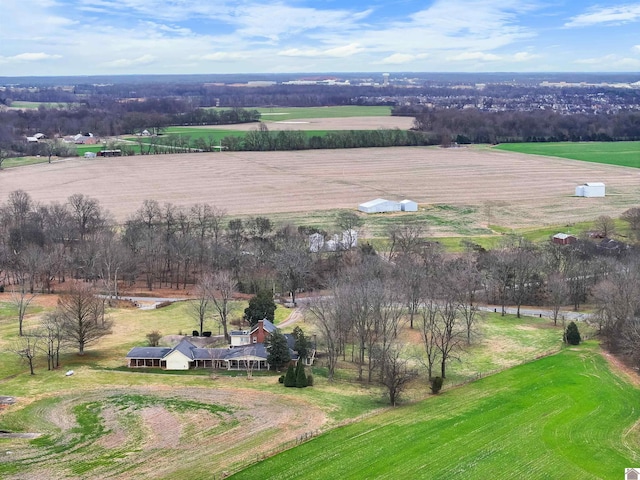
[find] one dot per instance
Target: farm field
(626, 154)
(565, 416)
(104, 414)
(312, 184)
(321, 123)
(292, 113)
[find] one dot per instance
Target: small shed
(379, 205)
(408, 206)
(563, 239)
(591, 189)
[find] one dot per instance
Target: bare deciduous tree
(396, 373)
(83, 317)
(26, 348)
(222, 286)
(326, 315)
(200, 307)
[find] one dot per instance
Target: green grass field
(626, 154)
(35, 105)
(565, 416)
(506, 341)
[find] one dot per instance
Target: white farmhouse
(380, 205)
(590, 189)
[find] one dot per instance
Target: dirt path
(295, 316)
(619, 366)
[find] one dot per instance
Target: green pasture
(626, 154)
(565, 416)
(35, 105)
(292, 113)
(505, 341)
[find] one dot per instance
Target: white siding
(177, 361)
(409, 206)
(379, 205)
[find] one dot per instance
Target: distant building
(563, 239)
(408, 206)
(380, 205)
(316, 242)
(590, 189)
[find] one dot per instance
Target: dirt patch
(617, 365)
(164, 428)
(116, 436)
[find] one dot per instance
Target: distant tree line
(261, 139)
(471, 125)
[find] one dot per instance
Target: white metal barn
(591, 189)
(409, 206)
(379, 205)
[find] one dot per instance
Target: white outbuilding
(409, 206)
(380, 205)
(590, 189)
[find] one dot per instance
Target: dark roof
(255, 350)
(267, 326)
(186, 348)
(291, 340)
(148, 352)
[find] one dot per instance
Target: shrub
(301, 378)
(154, 338)
(310, 380)
(195, 333)
(290, 377)
(572, 335)
(281, 379)
(436, 385)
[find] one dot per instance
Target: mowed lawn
(626, 154)
(565, 416)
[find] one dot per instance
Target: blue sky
(87, 37)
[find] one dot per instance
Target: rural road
(146, 303)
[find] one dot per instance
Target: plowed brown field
(527, 190)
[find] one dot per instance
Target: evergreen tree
(302, 343)
(278, 355)
(261, 306)
(290, 377)
(301, 378)
(572, 335)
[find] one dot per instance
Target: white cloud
(29, 57)
(524, 57)
(336, 52)
(128, 62)
(400, 58)
(636, 48)
(606, 15)
(466, 56)
(610, 62)
(221, 56)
